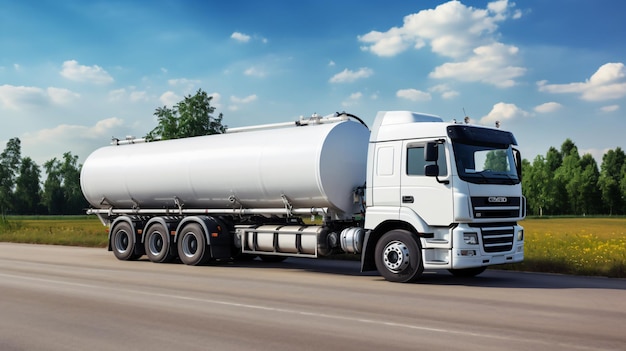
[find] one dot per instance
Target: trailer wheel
(467, 272)
(192, 245)
(158, 244)
(123, 241)
(398, 256)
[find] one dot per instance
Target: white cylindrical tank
(311, 166)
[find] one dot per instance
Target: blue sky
(75, 73)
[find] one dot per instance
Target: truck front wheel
(123, 241)
(398, 256)
(192, 245)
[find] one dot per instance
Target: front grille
(497, 239)
(486, 207)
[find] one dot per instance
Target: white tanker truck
(415, 193)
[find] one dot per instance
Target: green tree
(610, 179)
(75, 202)
(537, 185)
(53, 198)
(568, 177)
(62, 193)
(27, 189)
(556, 191)
(9, 166)
(623, 186)
(589, 192)
(193, 116)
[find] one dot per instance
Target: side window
(415, 161)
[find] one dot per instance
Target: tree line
(564, 183)
(21, 190)
(559, 183)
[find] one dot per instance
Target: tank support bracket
(178, 204)
(288, 206)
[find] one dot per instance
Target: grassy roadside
(579, 246)
(54, 230)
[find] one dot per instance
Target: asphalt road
(69, 298)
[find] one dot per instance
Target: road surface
(71, 298)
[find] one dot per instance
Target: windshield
(485, 163)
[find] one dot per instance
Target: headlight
(470, 238)
(520, 235)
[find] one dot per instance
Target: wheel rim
(156, 243)
(190, 244)
(122, 241)
(396, 256)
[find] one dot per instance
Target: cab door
(429, 197)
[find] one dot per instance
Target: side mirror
(431, 170)
(518, 163)
(431, 153)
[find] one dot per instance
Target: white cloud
(449, 94)
(139, 96)
(255, 72)
(245, 100)
(18, 97)
(452, 30)
(184, 82)
(489, 64)
(607, 83)
(67, 131)
(79, 73)
(413, 95)
(548, 107)
(45, 144)
(352, 100)
(117, 94)
(184, 85)
(349, 76)
(169, 98)
(610, 108)
(389, 43)
(502, 112)
(445, 91)
(466, 34)
(61, 96)
(240, 37)
(133, 95)
(331, 63)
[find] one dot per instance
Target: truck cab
(453, 190)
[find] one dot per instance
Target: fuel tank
(305, 166)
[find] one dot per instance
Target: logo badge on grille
(497, 199)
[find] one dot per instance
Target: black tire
(398, 256)
(192, 245)
(158, 243)
(467, 272)
(123, 240)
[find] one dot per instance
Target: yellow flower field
(582, 246)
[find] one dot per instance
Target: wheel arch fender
(156, 220)
(216, 234)
(372, 236)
